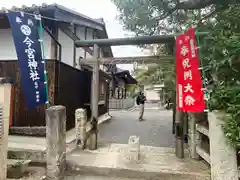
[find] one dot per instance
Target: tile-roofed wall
(26, 8)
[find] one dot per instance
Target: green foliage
(132, 89)
(221, 59)
(147, 17)
(142, 16)
(158, 74)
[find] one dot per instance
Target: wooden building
(69, 82)
(118, 96)
(118, 84)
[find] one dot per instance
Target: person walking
(141, 101)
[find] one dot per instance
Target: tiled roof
(67, 15)
(45, 6)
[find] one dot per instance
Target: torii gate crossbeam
(140, 40)
(130, 60)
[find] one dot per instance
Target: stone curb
(75, 169)
(104, 118)
(132, 109)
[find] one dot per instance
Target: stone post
(223, 156)
(94, 100)
(194, 137)
(5, 118)
(80, 123)
(3, 148)
(56, 142)
(132, 152)
(179, 143)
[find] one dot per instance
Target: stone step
(154, 163)
(120, 173)
(91, 177)
(16, 168)
(36, 156)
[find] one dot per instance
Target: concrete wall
(218, 153)
(121, 103)
(151, 95)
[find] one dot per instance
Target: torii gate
(95, 62)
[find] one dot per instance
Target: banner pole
(43, 58)
(206, 94)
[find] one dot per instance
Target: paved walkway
(156, 130)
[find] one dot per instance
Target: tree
(158, 74)
(147, 17)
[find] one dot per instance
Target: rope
(43, 59)
(203, 72)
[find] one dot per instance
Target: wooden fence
(67, 86)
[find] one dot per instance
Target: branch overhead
(195, 4)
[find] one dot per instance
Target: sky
(96, 9)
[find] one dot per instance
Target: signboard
(190, 96)
(25, 32)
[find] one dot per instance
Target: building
(120, 79)
(119, 98)
(154, 93)
(69, 81)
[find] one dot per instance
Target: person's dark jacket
(140, 99)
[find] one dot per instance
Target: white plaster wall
(7, 48)
(80, 32)
(67, 48)
(89, 36)
(151, 94)
(8, 52)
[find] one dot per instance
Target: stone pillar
(56, 142)
(132, 152)
(80, 123)
(179, 143)
(194, 137)
(94, 100)
(223, 156)
(164, 100)
(5, 118)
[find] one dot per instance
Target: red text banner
(190, 96)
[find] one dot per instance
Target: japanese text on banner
(190, 97)
(26, 39)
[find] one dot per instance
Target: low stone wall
(121, 103)
(218, 153)
(39, 131)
